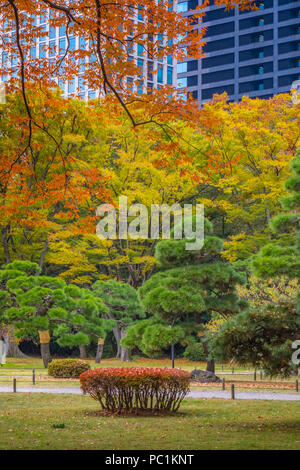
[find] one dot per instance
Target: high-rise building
(254, 53)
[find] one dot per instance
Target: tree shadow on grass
(138, 414)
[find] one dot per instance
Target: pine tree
(34, 303)
(265, 336)
(190, 286)
(123, 307)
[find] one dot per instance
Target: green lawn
(27, 421)
(22, 370)
(25, 365)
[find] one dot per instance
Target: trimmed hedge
(67, 367)
(136, 388)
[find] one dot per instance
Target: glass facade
(254, 53)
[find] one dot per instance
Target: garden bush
(129, 389)
(195, 352)
(67, 367)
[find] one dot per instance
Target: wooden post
(223, 384)
(33, 376)
(297, 385)
(15, 385)
(260, 375)
(233, 370)
(254, 376)
(232, 392)
(172, 356)
(222, 368)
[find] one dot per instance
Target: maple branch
(65, 10)
(57, 66)
(105, 77)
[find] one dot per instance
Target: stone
(204, 376)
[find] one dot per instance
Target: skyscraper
(254, 53)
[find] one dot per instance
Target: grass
(24, 365)
(29, 421)
(22, 370)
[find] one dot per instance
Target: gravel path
(192, 394)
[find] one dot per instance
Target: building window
(52, 48)
(52, 32)
(32, 53)
(261, 22)
(149, 70)
(261, 38)
(149, 88)
(182, 82)
(140, 87)
(261, 6)
(182, 7)
(140, 49)
(130, 84)
(81, 63)
(261, 86)
(182, 68)
(192, 81)
(61, 84)
(42, 52)
(260, 70)
(72, 44)
(140, 14)
(183, 96)
(170, 75)
(160, 74)
(71, 86)
(81, 43)
(62, 46)
(62, 31)
(261, 54)
(81, 83)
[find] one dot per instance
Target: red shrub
(136, 388)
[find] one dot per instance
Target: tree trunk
(210, 366)
(13, 348)
(125, 355)
(83, 353)
(117, 335)
(43, 253)
(45, 346)
(99, 353)
(4, 240)
(45, 353)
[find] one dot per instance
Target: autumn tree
(254, 141)
(104, 48)
(148, 167)
(34, 303)
(35, 201)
